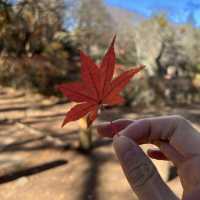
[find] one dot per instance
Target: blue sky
(178, 11)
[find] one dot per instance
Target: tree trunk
(161, 70)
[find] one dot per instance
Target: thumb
(140, 171)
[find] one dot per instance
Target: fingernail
(105, 129)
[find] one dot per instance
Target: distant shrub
(38, 72)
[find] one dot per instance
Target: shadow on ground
(31, 171)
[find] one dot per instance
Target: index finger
(109, 129)
(175, 130)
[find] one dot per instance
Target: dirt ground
(38, 159)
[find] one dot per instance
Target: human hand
(178, 142)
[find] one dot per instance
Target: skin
(176, 140)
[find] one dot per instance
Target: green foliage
(139, 92)
(198, 68)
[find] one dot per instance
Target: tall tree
(154, 38)
(94, 24)
(30, 25)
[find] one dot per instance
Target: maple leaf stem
(113, 129)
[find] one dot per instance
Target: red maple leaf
(97, 87)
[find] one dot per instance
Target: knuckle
(140, 173)
(178, 118)
(182, 122)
